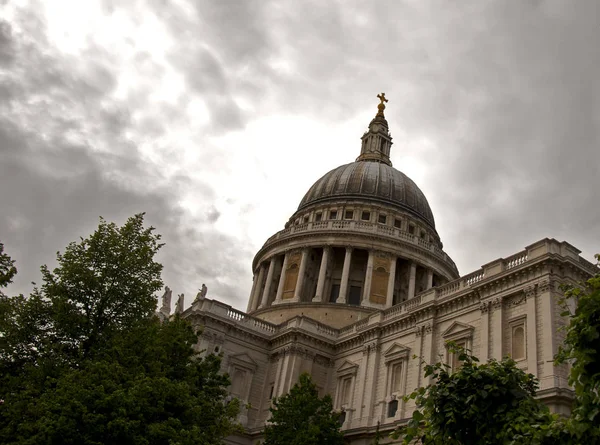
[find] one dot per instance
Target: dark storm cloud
(507, 94)
(500, 101)
(65, 161)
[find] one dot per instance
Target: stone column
(412, 280)
(391, 283)
(531, 328)
(322, 274)
(267, 291)
(301, 273)
(345, 275)
(257, 294)
(368, 280)
(429, 279)
(252, 292)
(281, 280)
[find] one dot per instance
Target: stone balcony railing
(444, 292)
(260, 326)
(360, 227)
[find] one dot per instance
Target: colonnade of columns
(264, 293)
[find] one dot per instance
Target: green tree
(84, 360)
(582, 349)
(7, 268)
(301, 417)
(484, 404)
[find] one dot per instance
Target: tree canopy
(84, 360)
(485, 404)
(581, 349)
(301, 417)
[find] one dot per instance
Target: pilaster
(531, 327)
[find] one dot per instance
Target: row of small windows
(365, 216)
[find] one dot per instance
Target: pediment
(243, 360)
(396, 349)
(458, 329)
(347, 368)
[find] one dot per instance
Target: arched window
(518, 342)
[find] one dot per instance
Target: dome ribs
(371, 180)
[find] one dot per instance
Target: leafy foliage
(485, 404)
(582, 349)
(7, 268)
(301, 417)
(84, 360)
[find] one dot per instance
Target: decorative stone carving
(202, 293)
(179, 305)
(166, 302)
(423, 329)
(544, 286)
(370, 347)
(485, 306)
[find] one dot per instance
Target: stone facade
(357, 283)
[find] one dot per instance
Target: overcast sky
(215, 117)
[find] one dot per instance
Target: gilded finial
(381, 105)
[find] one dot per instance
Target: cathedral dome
(371, 180)
(362, 239)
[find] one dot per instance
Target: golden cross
(382, 98)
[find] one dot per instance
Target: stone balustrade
(360, 227)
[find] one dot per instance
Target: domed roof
(371, 180)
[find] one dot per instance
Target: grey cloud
(66, 161)
(506, 95)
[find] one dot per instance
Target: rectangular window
(306, 218)
(382, 219)
(411, 229)
(392, 408)
(349, 214)
(366, 216)
(345, 395)
(396, 378)
(423, 234)
(397, 223)
(333, 214)
(318, 216)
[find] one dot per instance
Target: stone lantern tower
(363, 238)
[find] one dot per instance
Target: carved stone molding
(496, 303)
(485, 306)
(530, 292)
(544, 286)
(371, 346)
(424, 329)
